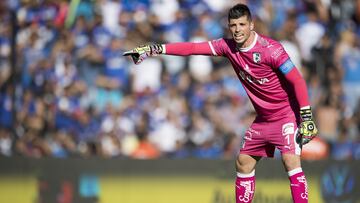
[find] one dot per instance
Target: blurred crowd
(67, 91)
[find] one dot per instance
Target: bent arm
(189, 48)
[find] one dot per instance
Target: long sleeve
(299, 84)
(188, 48)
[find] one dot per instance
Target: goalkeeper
(276, 89)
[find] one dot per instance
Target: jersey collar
(245, 49)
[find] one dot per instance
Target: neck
(248, 42)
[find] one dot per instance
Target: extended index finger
(128, 53)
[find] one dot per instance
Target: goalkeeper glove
(140, 53)
(308, 128)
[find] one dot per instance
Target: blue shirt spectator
(6, 108)
(80, 32)
(101, 36)
(116, 66)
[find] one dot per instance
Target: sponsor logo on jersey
(246, 76)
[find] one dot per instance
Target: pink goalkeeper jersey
(261, 68)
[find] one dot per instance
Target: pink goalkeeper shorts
(263, 137)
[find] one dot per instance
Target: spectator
(110, 145)
(312, 31)
(349, 58)
(6, 142)
(148, 78)
(329, 115)
(61, 144)
(66, 66)
(4, 51)
(145, 149)
(168, 125)
(6, 106)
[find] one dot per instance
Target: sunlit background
(70, 103)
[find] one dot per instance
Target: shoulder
(272, 47)
(268, 43)
(224, 41)
(223, 46)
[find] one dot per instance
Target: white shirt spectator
(218, 6)
(293, 50)
(5, 146)
(110, 146)
(308, 35)
(166, 135)
(165, 10)
(200, 66)
(110, 11)
(147, 75)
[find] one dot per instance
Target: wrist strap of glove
(156, 49)
(306, 113)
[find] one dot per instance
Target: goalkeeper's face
(240, 29)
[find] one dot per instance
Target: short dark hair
(239, 10)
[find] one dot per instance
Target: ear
(251, 25)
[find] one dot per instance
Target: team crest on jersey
(256, 57)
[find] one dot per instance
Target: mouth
(238, 36)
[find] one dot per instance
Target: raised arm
(179, 49)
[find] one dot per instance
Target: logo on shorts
(288, 129)
(248, 136)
